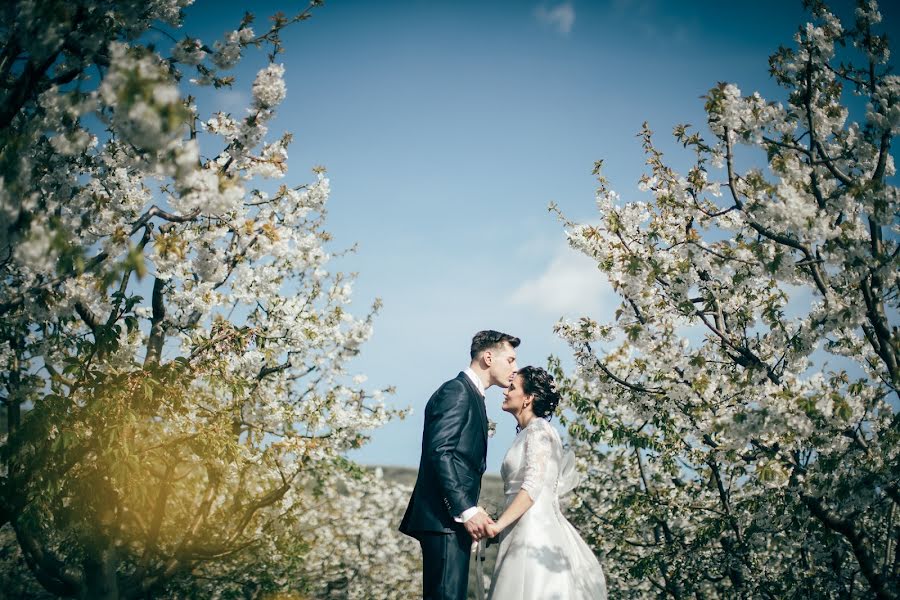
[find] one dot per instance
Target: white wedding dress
(541, 555)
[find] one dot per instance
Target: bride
(541, 555)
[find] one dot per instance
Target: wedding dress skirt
(541, 556)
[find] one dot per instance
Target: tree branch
(885, 346)
(88, 316)
(155, 211)
(859, 543)
(749, 358)
(776, 237)
(51, 572)
(633, 386)
(829, 164)
(126, 276)
(157, 331)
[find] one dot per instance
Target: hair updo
(538, 383)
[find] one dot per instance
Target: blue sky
(447, 128)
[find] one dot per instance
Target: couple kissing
(541, 555)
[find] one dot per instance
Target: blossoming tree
(734, 449)
(173, 347)
(347, 546)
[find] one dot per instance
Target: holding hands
(476, 526)
(481, 525)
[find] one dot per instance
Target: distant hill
(491, 485)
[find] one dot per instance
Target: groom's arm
(443, 428)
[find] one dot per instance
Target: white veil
(569, 477)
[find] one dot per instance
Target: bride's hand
(492, 530)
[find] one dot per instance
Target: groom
(443, 512)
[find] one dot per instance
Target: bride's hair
(539, 383)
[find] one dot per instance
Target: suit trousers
(445, 565)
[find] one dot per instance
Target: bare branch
(155, 211)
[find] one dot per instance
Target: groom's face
(503, 364)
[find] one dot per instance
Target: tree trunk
(14, 397)
(100, 579)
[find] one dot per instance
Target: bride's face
(514, 398)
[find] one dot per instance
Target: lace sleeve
(538, 446)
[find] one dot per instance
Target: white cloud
(570, 286)
(560, 17)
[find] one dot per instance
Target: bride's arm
(518, 507)
(538, 447)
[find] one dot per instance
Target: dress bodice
(533, 462)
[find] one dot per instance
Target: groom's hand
(477, 525)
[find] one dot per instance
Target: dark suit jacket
(454, 447)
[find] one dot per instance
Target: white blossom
(268, 87)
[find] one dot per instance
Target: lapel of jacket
(476, 397)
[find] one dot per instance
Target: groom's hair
(487, 339)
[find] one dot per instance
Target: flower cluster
(148, 110)
(228, 52)
(268, 88)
